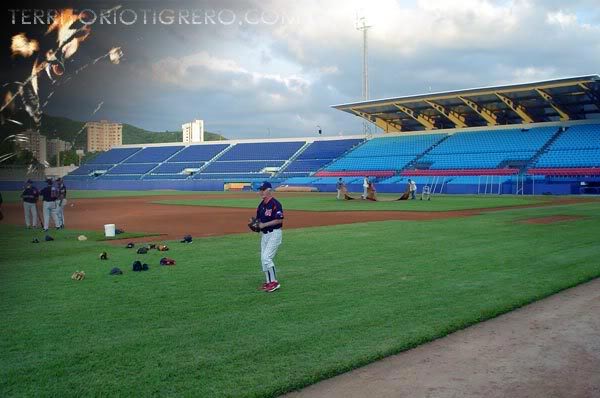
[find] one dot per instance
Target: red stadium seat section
(566, 171)
(461, 172)
(356, 173)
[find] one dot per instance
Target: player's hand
(261, 225)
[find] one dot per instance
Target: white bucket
(109, 230)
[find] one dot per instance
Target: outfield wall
(558, 186)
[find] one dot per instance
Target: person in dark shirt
(62, 201)
(270, 215)
(1, 215)
(49, 195)
(30, 197)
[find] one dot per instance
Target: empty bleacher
(317, 155)
(247, 161)
(387, 153)
(487, 149)
(114, 156)
(578, 147)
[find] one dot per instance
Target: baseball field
(360, 281)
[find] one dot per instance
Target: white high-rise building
(193, 132)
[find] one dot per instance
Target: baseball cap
(265, 185)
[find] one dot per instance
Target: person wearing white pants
(49, 195)
(270, 215)
(30, 197)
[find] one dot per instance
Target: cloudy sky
(274, 68)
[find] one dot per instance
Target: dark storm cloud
(246, 79)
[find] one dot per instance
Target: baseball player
(365, 186)
(62, 201)
(270, 216)
(30, 197)
(412, 188)
(49, 195)
(339, 186)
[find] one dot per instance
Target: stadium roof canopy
(574, 98)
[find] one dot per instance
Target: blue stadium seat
(241, 167)
(175, 168)
(198, 153)
(154, 154)
(126, 168)
(113, 156)
(262, 151)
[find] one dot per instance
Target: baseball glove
(253, 224)
(78, 276)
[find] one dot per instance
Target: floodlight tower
(361, 25)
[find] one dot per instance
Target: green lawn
(328, 202)
(351, 294)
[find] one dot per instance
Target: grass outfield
(351, 294)
(327, 202)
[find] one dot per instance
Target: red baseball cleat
(272, 287)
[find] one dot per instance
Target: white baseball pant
(50, 208)
(60, 209)
(269, 243)
(30, 210)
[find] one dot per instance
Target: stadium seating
(387, 153)
(262, 151)
(124, 168)
(241, 167)
(114, 156)
(176, 168)
(154, 154)
(317, 155)
(487, 149)
(198, 153)
(328, 149)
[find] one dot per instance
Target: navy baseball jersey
(272, 210)
(30, 195)
(49, 194)
(62, 191)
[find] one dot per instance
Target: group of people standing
(54, 200)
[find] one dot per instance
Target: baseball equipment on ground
(167, 261)
(142, 250)
(78, 276)
(137, 266)
(130, 245)
(187, 239)
(103, 256)
(253, 224)
(162, 248)
(116, 271)
(81, 238)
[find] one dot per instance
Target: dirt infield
(139, 214)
